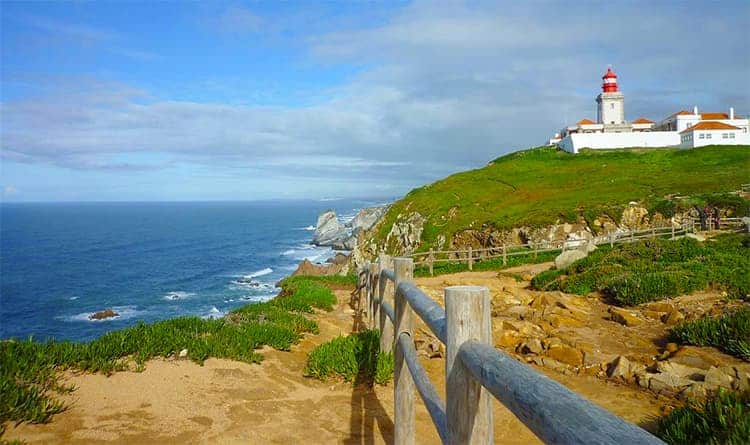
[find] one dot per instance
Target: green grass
(340, 280)
(29, 380)
(355, 358)
(723, 419)
(730, 333)
(540, 186)
(654, 269)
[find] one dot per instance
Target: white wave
(72, 298)
(308, 228)
(260, 273)
(213, 313)
(123, 313)
(178, 295)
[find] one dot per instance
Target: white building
(712, 133)
(612, 130)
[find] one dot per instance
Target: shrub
(723, 419)
(730, 333)
(355, 358)
(653, 269)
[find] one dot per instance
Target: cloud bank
(443, 88)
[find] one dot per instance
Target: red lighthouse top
(609, 81)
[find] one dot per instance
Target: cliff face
(545, 195)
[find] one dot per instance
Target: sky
(175, 101)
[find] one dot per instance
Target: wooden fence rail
(472, 255)
(475, 371)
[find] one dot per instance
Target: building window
(612, 107)
(708, 136)
(702, 136)
(724, 135)
(731, 135)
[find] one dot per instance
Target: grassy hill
(540, 186)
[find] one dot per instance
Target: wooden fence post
(403, 412)
(505, 256)
(672, 231)
(374, 304)
(386, 296)
(632, 235)
(611, 239)
(468, 406)
(471, 258)
(535, 247)
(366, 308)
(430, 260)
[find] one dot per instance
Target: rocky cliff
(545, 196)
(330, 232)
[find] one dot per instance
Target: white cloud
(446, 87)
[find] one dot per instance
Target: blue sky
(258, 100)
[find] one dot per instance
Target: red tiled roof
(585, 121)
(710, 116)
(709, 126)
(643, 120)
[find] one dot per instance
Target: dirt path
(231, 402)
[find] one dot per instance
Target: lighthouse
(610, 109)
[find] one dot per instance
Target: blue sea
(61, 262)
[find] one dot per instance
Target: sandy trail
(177, 401)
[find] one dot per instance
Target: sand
(177, 401)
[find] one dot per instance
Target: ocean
(61, 262)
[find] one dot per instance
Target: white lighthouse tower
(610, 109)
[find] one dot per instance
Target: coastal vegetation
(730, 333)
(29, 376)
(356, 358)
(722, 419)
(540, 186)
(655, 269)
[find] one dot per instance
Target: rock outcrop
(307, 268)
(366, 218)
(406, 234)
(101, 315)
(328, 230)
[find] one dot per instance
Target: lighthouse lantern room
(610, 103)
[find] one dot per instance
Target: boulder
(673, 317)
(668, 382)
(566, 354)
(531, 346)
(183, 353)
(720, 377)
(101, 315)
(568, 257)
(683, 371)
(328, 229)
(623, 368)
(507, 339)
(624, 317)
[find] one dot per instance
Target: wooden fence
(475, 371)
(471, 255)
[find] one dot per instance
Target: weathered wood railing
(470, 256)
(475, 371)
